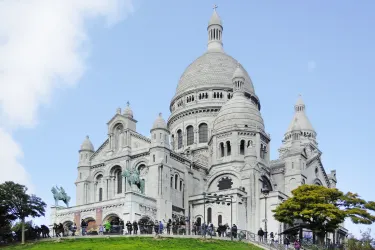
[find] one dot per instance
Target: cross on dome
(160, 114)
(215, 7)
(128, 103)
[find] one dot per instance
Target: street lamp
(265, 192)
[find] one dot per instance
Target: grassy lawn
(136, 243)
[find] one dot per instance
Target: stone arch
(139, 162)
(266, 183)
(98, 172)
(114, 125)
(91, 222)
(109, 216)
(118, 136)
(212, 183)
(318, 182)
(203, 135)
(67, 223)
(116, 172)
(109, 170)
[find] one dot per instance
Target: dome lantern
(238, 80)
(215, 32)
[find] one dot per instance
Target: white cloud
(311, 66)
(43, 44)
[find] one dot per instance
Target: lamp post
(265, 192)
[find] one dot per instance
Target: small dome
(128, 112)
(160, 123)
(238, 112)
(239, 73)
(215, 19)
(87, 145)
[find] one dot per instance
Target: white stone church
(214, 142)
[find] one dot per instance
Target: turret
(86, 151)
(215, 32)
(332, 179)
(238, 80)
(160, 133)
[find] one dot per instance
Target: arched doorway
(67, 227)
(91, 225)
(113, 224)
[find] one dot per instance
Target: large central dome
(214, 69)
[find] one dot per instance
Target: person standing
(135, 227)
(169, 224)
(156, 227)
(161, 227)
(74, 229)
(272, 237)
(260, 235)
(83, 227)
(286, 242)
(297, 244)
(101, 229)
(234, 231)
(129, 227)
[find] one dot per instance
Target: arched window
(190, 135)
(203, 133)
(118, 134)
(100, 194)
(221, 149)
(171, 181)
(175, 181)
(180, 185)
(119, 181)
(199, 221)
(266, 184)
(220, 219)
(179, 139)
(153, 158)
(173, 142)
(209, 215)
(242, 147)
(249, 143)
(229, 149)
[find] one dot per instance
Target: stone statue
(60, 194)
(132, 175)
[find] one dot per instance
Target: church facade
(214, 143)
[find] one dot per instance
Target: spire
(300, 105)
(215, 32)
(238, 80)
(300, 121)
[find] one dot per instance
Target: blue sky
(323, 50)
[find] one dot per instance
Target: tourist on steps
(260, 235)
(135, 227)
(129, 227)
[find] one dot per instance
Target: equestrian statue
(60, 194)
(132, 175)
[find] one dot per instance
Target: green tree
(366, 242)
(322, 209)
(5, 219)
(19, 204)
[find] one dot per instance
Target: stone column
(99, 216)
